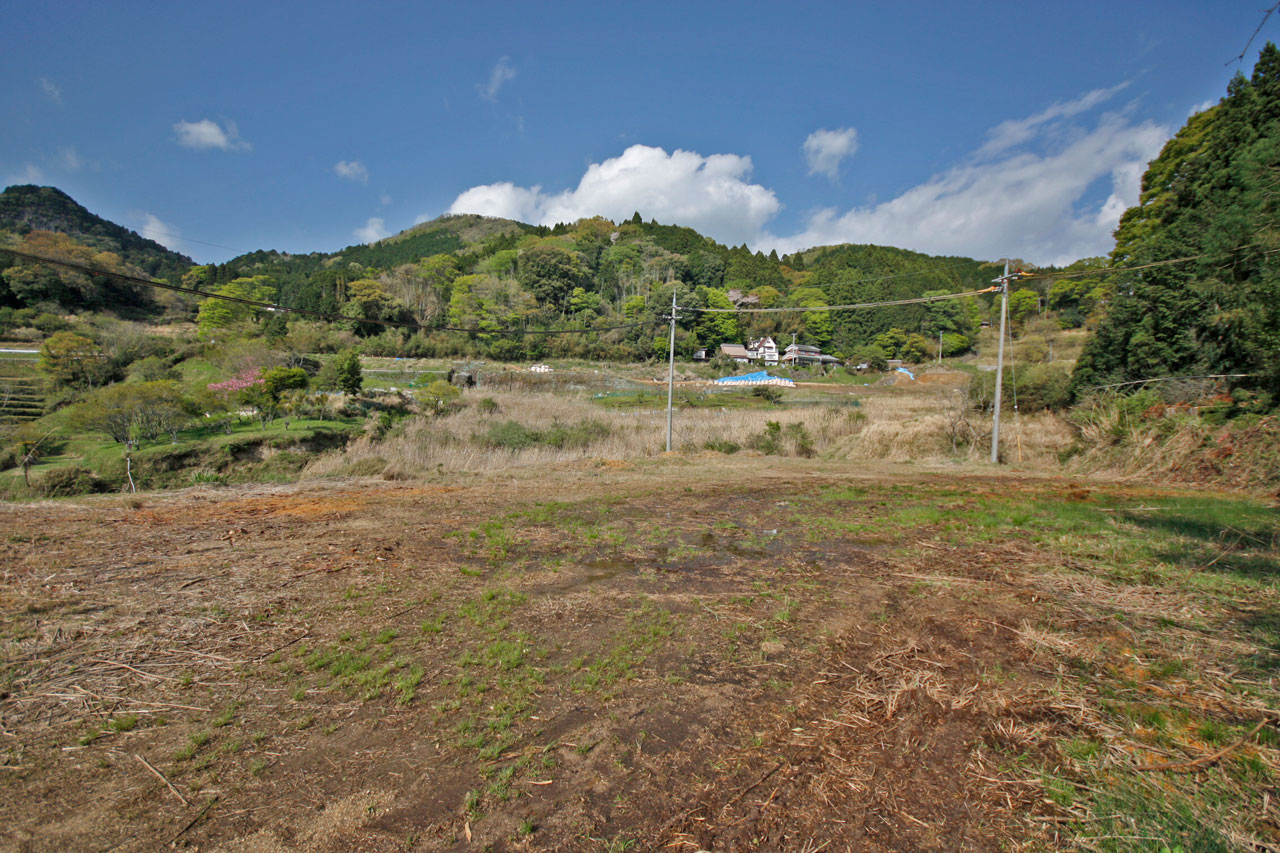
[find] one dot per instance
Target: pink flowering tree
(243, 381)
(246, 388)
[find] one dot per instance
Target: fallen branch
(181, 832)
(754, 785)
(1205, 759)
(132, 669)
(280, 648)
(162, 778)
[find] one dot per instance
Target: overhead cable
(856, 305)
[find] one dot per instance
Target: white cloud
(1049, 188)
(372, 231)
(501, 73)
(1013, 132)
(352, 170)
(1027, 204)
(711, 194)
(51, 90)
(207, 134)
(28, 174)
(824, 149)
(1201, 107)
(163, 233)
(70, 158)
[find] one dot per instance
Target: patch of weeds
(1080, 749)
(225, 717)
(194, 742)
(386, 635)
(1060, 791)
(432, 624)
(472, 804)
(786, 612)
(125, 723)
(407, 684)
(257, 766)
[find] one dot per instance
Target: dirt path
(693, 654)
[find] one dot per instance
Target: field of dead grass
(894, 424)
(681, 652)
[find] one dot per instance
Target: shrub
(720, 445)
(573, 436)
(768, 392)
(515, 436)
(768, 442)
(779, 441)
(509, 435)
(437, 396)
(1034, 387)
(69, 480)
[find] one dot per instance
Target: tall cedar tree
(1211, 193)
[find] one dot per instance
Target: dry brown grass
(898, 427)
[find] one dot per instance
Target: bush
(437, 396)
(768, 392)
(509, 435)
(1034, 388)
(574, 436)
(68, 481)
(720, 445)
(778, 441)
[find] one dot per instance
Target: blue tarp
(758, 378)
(908, 372)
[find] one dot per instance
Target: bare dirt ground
(689, 654)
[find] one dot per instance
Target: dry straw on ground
(932, 426)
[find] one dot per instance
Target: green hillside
(484, 287)
(28, 208)
(1208, 298)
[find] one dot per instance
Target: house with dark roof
(802, 355)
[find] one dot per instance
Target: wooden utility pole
(671, 368)
(1003, 281)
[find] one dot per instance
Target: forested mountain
(1212, 196)
(481, 286)
(484, 286)
(28, 208)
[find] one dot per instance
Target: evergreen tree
(1210, 195)
(347, 371)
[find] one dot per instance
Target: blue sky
(972, 129)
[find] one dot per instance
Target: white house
(764, 350)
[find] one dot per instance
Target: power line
(856, 305)
(180, 237)
(1175, 379)
(1254, 36)
(303, 312)
(1109, 270)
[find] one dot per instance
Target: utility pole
(1003, 281)
(671, 367)
(939, 346)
